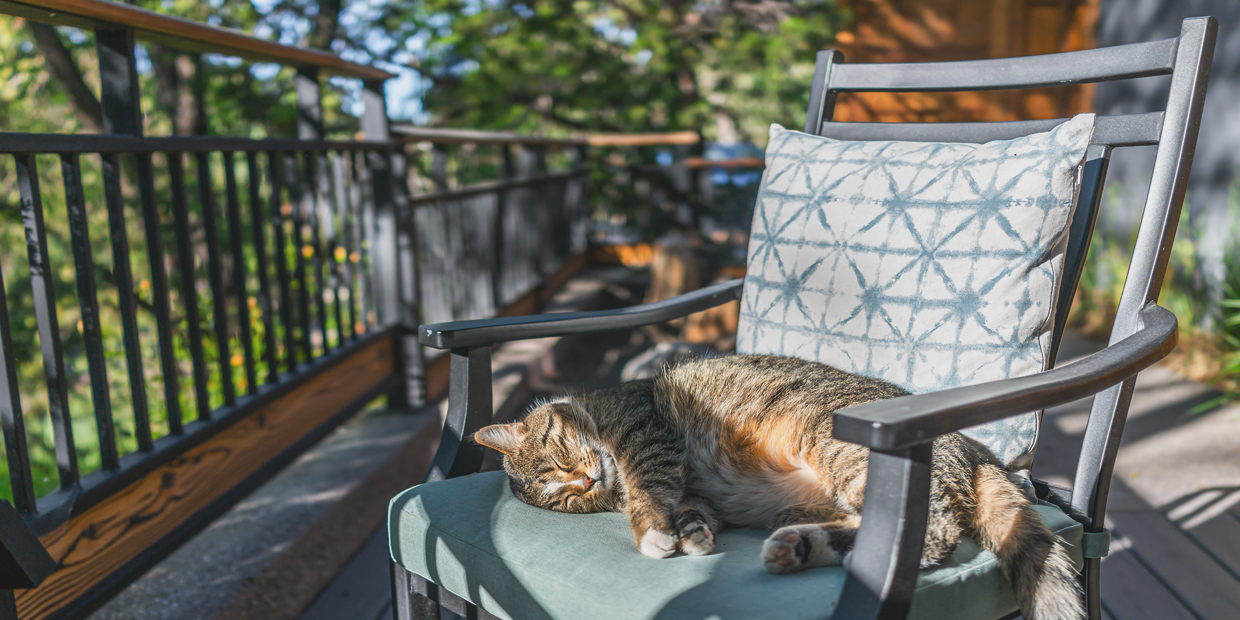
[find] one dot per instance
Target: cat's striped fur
(746, 440)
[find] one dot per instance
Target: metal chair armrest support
(907, 421)
(469, 391)
(486, 332)
(24, 563)
(882, 575)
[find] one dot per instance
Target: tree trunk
(60, 63)
(326, 24)
(163, 65)
(178, 93)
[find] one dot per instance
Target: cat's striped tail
(1041, 573)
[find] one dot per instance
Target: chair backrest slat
(1096, 65)
(1120, 130)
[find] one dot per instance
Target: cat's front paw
(798, 547)
(656, 544)
(696, 539)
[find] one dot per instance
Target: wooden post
(393, 255)
(309, 104)
(507, 173)
(120, 99)
(439, 167)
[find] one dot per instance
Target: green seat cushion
(471, 536)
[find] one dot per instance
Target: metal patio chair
(882, 576)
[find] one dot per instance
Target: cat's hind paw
(798, 547)
(784, 552)
(696, 539)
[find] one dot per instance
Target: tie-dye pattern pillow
(928, 265)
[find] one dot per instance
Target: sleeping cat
(746, 441)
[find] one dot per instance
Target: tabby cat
(746, 441)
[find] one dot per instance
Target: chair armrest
(909, 420)
(24, 563)
(486, 332)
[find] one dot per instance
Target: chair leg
(407, 602)
(1090, 581)
(8, 605)
(457, 605)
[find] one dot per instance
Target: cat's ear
(502, 437)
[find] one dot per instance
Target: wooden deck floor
(1174, 510)
(1174, 506)
(361, 591)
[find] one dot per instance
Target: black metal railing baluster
(12, 422)
(122, 274)
(310, 203)
(235, 242)
(502, 199)
(215, 276)
(275, 163)
(189, 288)
(336, 215)
(357, 279)
(42, 286)
(160, 301)
(295, 190)
(259, 241)
(366, 213)
(88, 302)
(454, 265)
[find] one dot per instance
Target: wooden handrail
(408, 133)
(184, 34)
(644, 139)
(740, 162)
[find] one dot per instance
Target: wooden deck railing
(263, 291)
(239, 298)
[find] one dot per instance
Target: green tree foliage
(728, 67)
(49, 83)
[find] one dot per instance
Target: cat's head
(555, 460)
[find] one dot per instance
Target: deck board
(1206, 587)
(1220, 537)
(362, 589)
(1131, 592)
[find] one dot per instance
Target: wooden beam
(742, 162)
(184, 34)
(409, 133)
(644, 139)
(628, 254)
(93, 545)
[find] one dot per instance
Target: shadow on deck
(1174, 506)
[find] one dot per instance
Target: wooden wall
(928, 30)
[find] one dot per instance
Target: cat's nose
(587, 482)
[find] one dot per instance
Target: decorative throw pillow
(931, 266)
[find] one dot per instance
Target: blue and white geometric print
(928, 265)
